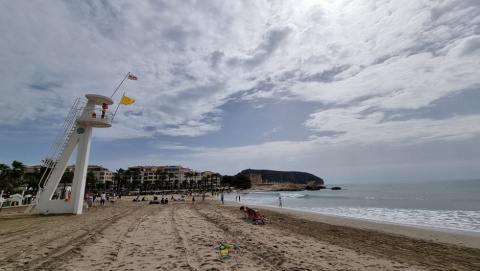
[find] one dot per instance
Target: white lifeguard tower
(76, 131)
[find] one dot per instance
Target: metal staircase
(57, 148)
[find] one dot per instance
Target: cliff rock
(274, 176)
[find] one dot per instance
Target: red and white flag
(132, 77)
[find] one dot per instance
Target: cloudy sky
(351, 91)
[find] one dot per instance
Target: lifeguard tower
(76, 131)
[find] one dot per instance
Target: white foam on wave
(293, 195)
(450, 220)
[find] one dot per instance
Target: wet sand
(130, 235)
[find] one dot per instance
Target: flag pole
(120, 85)
(114, 114)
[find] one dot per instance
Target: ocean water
(441, 205)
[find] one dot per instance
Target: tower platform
(94, 114)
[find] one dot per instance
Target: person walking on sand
(90, 202)
(103, 197)
(279, 201)
(193, 199)
(221, 197)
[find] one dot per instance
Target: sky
(350, 91)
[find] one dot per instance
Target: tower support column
(81, 166)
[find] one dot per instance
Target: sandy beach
(130, 235)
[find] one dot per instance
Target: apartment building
(167, 177)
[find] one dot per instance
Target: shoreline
(453, 237)
(129, 235)
(416, 222)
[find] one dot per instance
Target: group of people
(104, 197)
(164, 200)
(104, 111)
(253, 215)
(156, 201)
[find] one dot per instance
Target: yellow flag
(126, 100)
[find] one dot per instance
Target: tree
(170, 175)
(216, 176)
(188, 180)
(238, 181)
(128, 175)
(91, 179)
(32, 178)
(175, 183)
(67, 177)
(162, 175)
(195, 175)
(108, 184)
(119, 177)
(18, 171)
(136, 182)
(12, 177)
(5, 174)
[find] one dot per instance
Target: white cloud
(368, 67)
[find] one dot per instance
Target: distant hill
(283, 176)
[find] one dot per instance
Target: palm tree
(176, 182)
(108, 185)
(118, 177)
(67, 177)
(128, 175)
(216, 176)
(33, 178)
(136, 182)
(91, 179)
(5, 174)
(162, 176)
(12, 177)
(170, 175)
(196, 174)
(205, 180)
(18, 171)
(189, 176)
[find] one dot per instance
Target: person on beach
(193, 199)
(90, 202)
(104, 110)
(279, 201)
(103, 197)
(221, 197)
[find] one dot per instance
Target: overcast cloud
(346, 90)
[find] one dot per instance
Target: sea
(439, 205)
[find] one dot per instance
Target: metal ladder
(57, 148)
